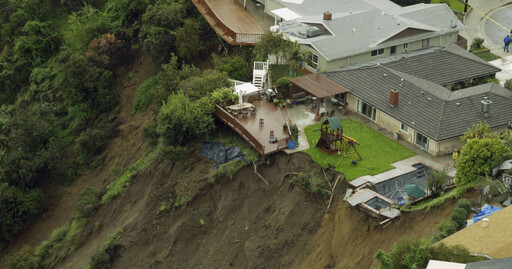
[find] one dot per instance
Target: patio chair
(261, 122)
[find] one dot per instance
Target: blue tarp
(487, 210)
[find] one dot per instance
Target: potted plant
(285, 126)
(276, 101)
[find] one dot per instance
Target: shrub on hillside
(24, 259)
(235, 67)
(145, 94)
(93, 142)
(445, 229)
(459, 216)
(88, 202)
(408, 252)
(100, 260)
(107, 51)
(464, 204)
(226, 171)
(16, 207)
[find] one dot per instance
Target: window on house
(392, 50)
(421, 141)
(312, 60)
(406, 46)
(366, 110)
(377, 52)
(425, 43)
(404, 128)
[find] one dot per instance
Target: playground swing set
(333, 141)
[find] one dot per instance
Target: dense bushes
(459, 216)
(181, 120)
(409, 252)
(23, 259)
(16, 206)
(234, 67)
(464, 204)
(87, 203)
(158, 31)
(477, 159)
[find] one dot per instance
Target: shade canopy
(286, 14)
(318, 85)
(334, 123)
(414, 191)
(245, 89)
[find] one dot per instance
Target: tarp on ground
(487, 210)
(414, 191)
(220, 154)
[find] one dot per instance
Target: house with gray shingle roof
(355, 31)
(422, 107)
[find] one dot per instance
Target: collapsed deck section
(231, 21)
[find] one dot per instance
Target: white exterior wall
(325, 65)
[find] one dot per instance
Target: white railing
(261, 66)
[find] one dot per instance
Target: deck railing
(222, 29)
(237, 127)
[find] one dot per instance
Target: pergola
(319, 86)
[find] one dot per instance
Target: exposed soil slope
(247, 224)
(349, 238)
(121, 152)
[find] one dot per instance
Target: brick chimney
(327, 16)
(393, 97)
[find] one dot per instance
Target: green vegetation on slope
(377, 150)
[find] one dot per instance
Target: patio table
(242, 106)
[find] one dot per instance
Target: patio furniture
(299, 97)
(261, 122)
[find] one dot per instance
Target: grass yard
(454, 4)
(377, 150)
(487, 56)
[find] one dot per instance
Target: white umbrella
(243, 89)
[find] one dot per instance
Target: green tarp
(414, 191)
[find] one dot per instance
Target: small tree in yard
(479, 130)
(477, 43)
(436, 180)
(477, 159)
(271, 44)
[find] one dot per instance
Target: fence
(237, 127)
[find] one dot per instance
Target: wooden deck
(231, 21)
(257, 136)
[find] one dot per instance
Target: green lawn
(454, 4)
(377, 150)
(487, 56)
